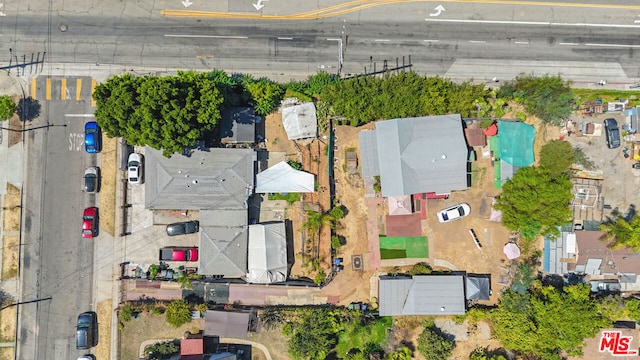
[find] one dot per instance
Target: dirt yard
(108, 167)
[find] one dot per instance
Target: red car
(90, 223)
(179, 254)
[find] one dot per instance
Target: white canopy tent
(267, 260)
(282, 178)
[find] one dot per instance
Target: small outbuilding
(300, 121)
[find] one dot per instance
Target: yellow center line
(358, 5)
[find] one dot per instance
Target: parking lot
(620, 183)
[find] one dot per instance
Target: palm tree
(622, 233)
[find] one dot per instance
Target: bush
(336, 243)
(7, 107)
(433, 345)
(421, 268)
(178, 313)
(127, 311)
(161, 351)
(319, 278)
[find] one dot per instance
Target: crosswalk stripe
(48, 89)
(34, 87)
(63, 88)
(78, 89)
(93, 88)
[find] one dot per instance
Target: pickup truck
(175, 253)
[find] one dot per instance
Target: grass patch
(357, 336)
(290, 198)
(346, 153)
(9, 257)
(583, 95)
(412, 246)
(109, 170)
(8, 325)
(477, 175)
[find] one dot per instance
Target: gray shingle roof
(214, 179)
(418, 155)
(224, 237)
(422, 295)
(238, 125)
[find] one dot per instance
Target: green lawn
(397, 247)
(289, 197)
(356, 336)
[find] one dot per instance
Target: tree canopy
(406, 94)
(557, 157)
(433, 345)
(547, 97)
(315, 336)
(545, 321)
(168, 113)
(621, 232)
(535, 202)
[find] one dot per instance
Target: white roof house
(267, 253)
(300, 121)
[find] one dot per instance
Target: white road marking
(333, 39)
(568, 44)
(477, 41)
(431, 40)
(285, 38)
(613, 45)
(522, 42)
(540, 23)
(79, 115)
(206, 36)
(382, 40)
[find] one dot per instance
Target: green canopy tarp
(516, 142)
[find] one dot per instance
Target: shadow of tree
(28, 109)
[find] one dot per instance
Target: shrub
(161, 351)
(178, 313)
(319, 278)
(7, 107)
(127, 311)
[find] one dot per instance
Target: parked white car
(454, 213)
(135, 169)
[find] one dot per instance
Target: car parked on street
(612, 133)
(453, 213)
(90, 222)
(135, 169)
(87, 357)
(176, 253)
(87, 330)
(182, 228)
(92, 137)
(91, 183)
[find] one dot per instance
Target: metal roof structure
(422, 295)
(300, 121)
(417, 155)
(226, 324)
(238, 125)
(369, 153)
(223, 242)
(267, 253)
(216, 178)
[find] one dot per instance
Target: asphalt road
(57, 261)
(150, 36)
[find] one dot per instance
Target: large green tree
(557, 157)
(545, 321)
(433, 345)
(315, 336)
(367, 98)
(534, 201)
(168, 113)
(622, 233)
(547, 97)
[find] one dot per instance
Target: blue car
(92, 137)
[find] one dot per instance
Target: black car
(87, 330)
(91, 183)
(181, 228)
(612, 133)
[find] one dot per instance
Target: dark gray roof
(478, 287)
(368, 153)
(238, 125)
(213, 179)
(223, 243)
(419, 155)
(226, 324)
(422, 295)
